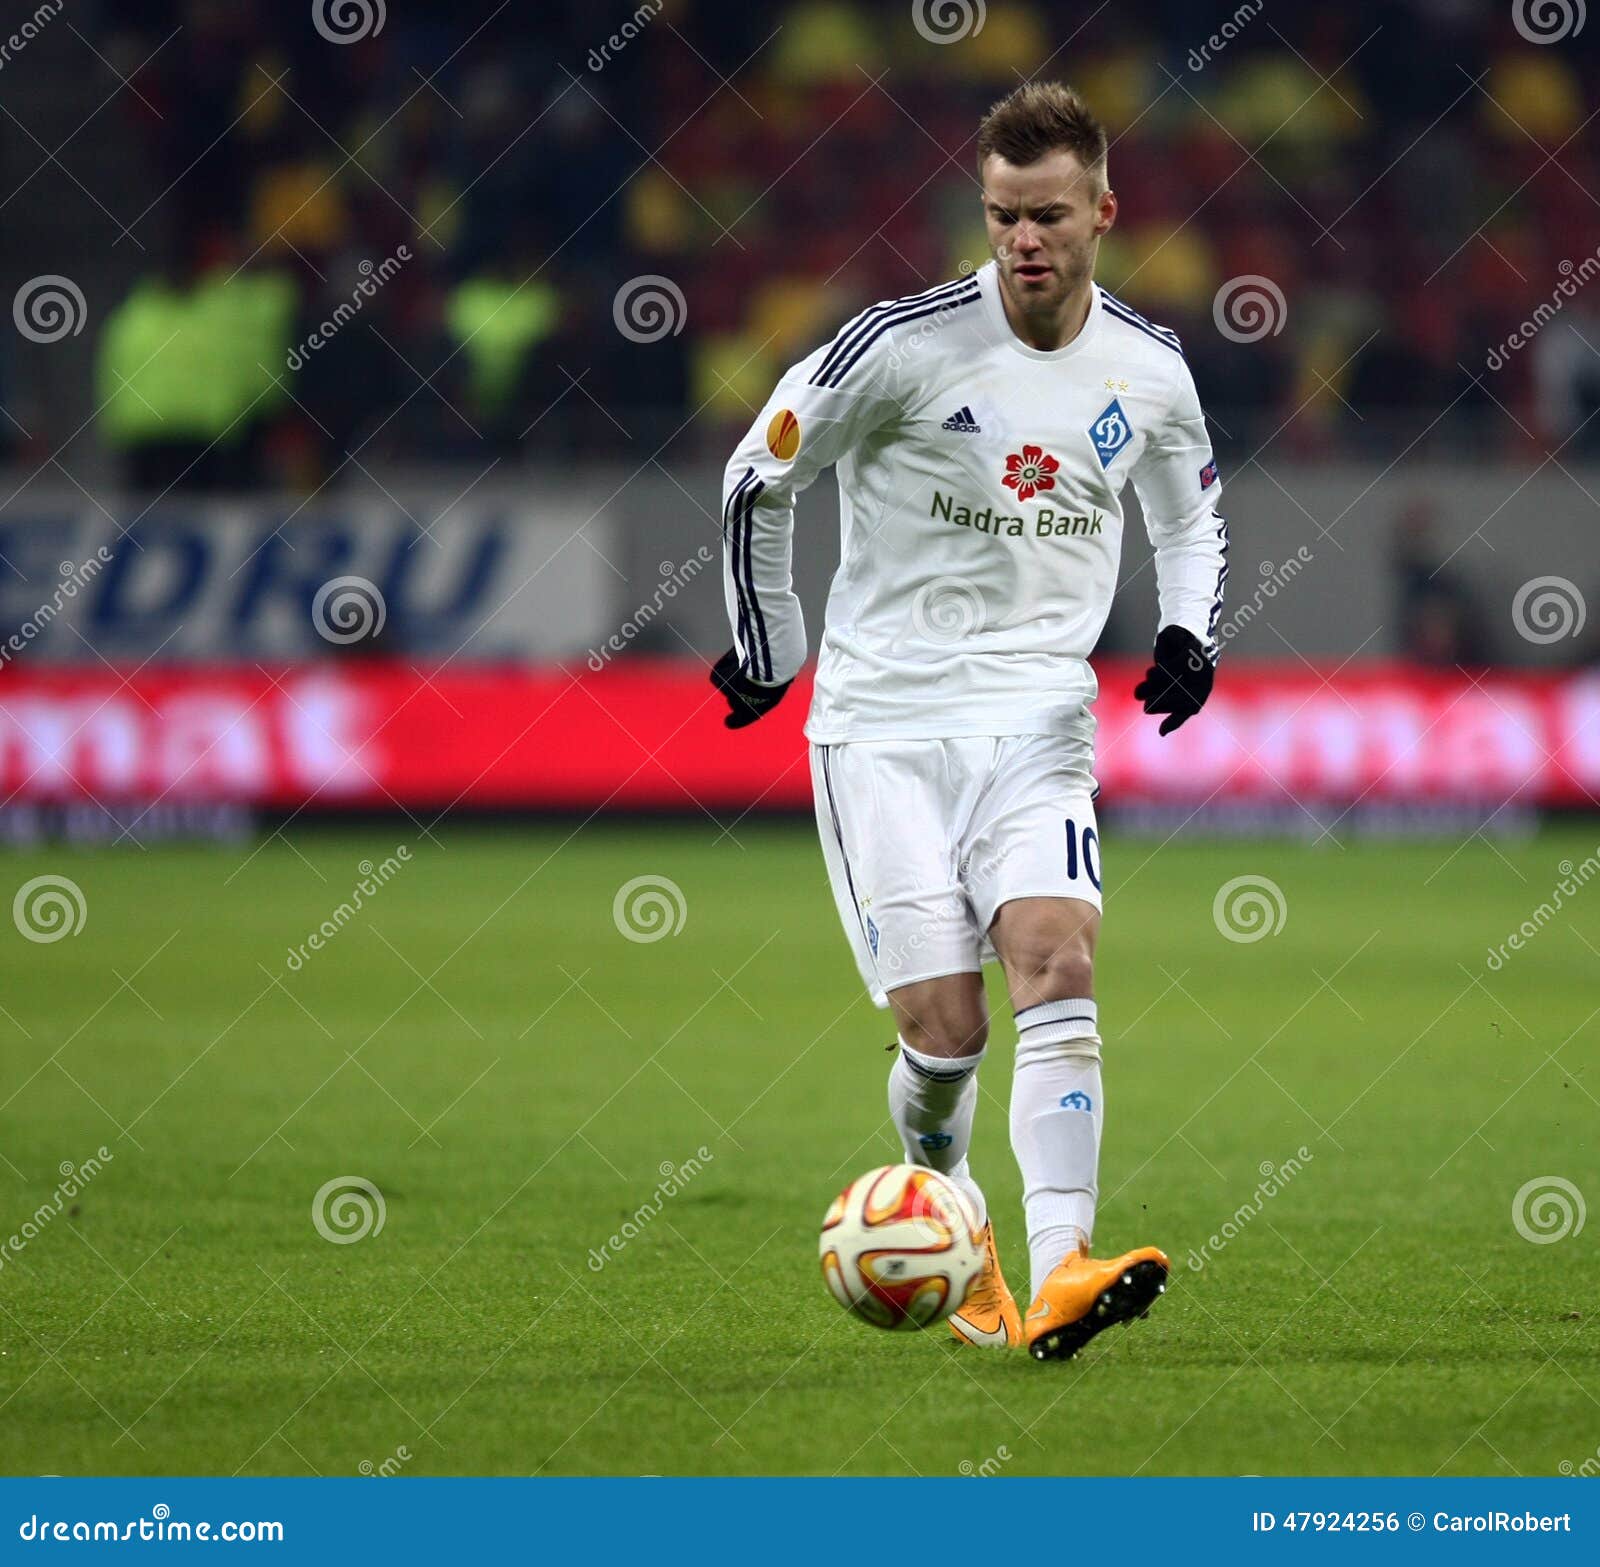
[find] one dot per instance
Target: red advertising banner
(647, 734)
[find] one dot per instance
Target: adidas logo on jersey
(962, 423)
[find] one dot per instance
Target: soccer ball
(900, 1246)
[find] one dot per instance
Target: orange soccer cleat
(1085, 1294)
(988, 1317)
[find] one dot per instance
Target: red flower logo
(1029, 472)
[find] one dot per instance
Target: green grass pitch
(482, 1045)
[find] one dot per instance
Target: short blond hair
(1039, 118)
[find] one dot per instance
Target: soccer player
(983, 432)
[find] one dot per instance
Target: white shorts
(925, 839)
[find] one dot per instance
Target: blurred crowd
(419, 243)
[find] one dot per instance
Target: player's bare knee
(1054, 968)
(945, 1027)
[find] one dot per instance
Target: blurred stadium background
(471, 304)
(366, 387)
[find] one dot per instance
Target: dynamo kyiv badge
(1110, 432)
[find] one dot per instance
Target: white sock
(931, 1101)
(1056, 1116)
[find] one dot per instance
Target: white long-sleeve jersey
(980, 485)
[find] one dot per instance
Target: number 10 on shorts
(1083, 848)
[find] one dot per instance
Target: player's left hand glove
(747, 699)
(1179, 681)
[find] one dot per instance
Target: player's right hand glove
(747, 699)
(1179, 681)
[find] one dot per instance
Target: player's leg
(1034, 869)
(884, 814)
(943, 1026)
(933, 1095)
(1057, 1101)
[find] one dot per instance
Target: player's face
(1045, 220)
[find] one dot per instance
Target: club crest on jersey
(1110, 432)
(1208, 474)
(1029, 471)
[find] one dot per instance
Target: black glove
(1179, 681)
(747, 701)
